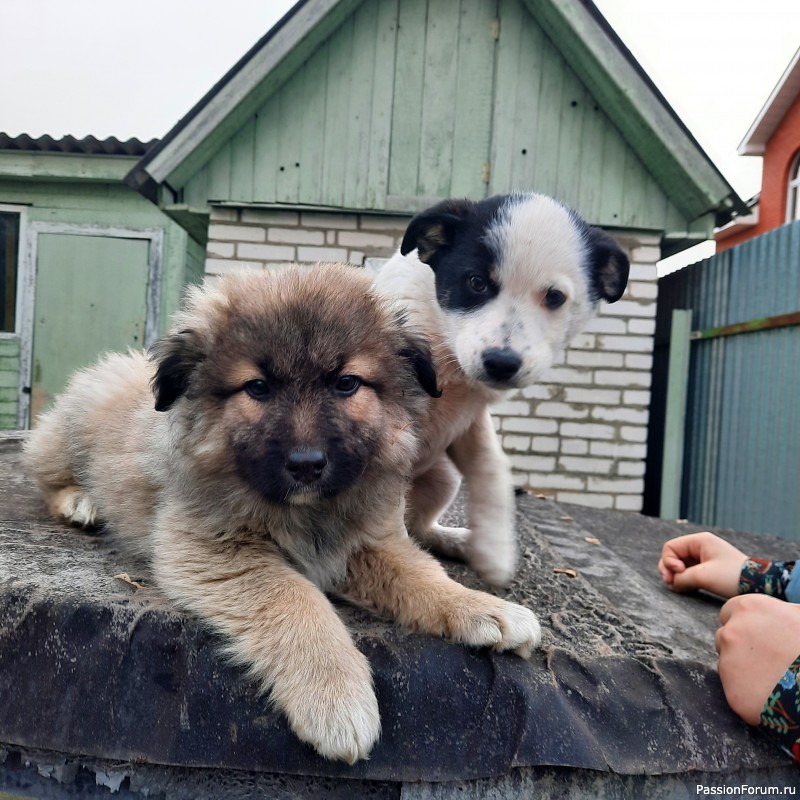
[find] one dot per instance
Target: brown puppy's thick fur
(270, 467)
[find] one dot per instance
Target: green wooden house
(388, 105)
(350, 115)
(87, 264)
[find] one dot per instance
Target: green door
(91, 297)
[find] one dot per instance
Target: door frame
(26, 288)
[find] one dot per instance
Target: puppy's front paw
(522, 632)
(338, 715)
(487, 621)
(75, 507)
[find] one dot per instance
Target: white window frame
(793, 190)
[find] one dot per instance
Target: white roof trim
(305, 17)
(774, 110)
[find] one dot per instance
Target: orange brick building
(775, 135)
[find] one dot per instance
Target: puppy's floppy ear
(609, 266)
(433, 231)
(417, 353)
(176, 357)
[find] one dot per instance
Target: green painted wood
(611, 153)
(242, 156)
(81, 308)
(438, 99)
(571, 140)
(407, 107)
(199, 143)
(337, 122)
(377, 184)
(9, 347)
(290, 140)
(548, 122)
(313, 127)
(265, 169)
(590, 162)
(219, 174)
(356, 145)
(473, 99)
(411, 100)
(632, 191)
(670, 154)
(195, 192)
(510, 131)
(675, 420)
(64, 166)
(9, 381)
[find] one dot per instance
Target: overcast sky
(96, 67)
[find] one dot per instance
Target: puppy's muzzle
(306, 466)
(501, 364)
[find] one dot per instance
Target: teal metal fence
(739, 464)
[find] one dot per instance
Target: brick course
(579, 435)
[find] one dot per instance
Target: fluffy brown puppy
(259, 458)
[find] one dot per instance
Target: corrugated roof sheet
(89, 145)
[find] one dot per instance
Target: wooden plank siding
(9, 380)
(409, 101)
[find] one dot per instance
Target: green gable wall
(412, 100)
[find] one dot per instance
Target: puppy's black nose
(501, 365)
(306, 466)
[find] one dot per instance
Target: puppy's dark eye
(478, 284)
(347, 385)
(554, 299)
(257, 389)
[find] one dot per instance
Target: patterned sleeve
(780, 717)
(775, 578)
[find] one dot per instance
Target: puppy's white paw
(482, 620)
(338, 716)
(75, 507)
(521, 630)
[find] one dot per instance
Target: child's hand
(701, 561)
(759, 639)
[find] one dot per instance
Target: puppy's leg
(47, 454)
(430, 496)
(283, 629)
(399, 580)
(491, 548)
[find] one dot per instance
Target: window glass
(9, 254)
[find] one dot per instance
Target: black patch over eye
(554, 299)
(478, 284)
(347, 385)
(257, 389)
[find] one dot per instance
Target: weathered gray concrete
(99, 678)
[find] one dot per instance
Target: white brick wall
(580, 435)
(590, 414)
(255, 237)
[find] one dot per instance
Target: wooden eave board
(645, 120)
(64, 166)
(223, 111)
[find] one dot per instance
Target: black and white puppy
(499, 287)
